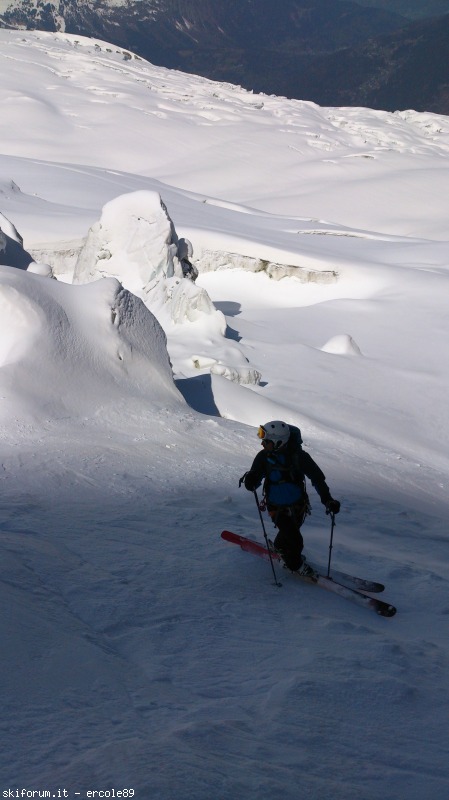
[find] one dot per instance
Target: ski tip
(388, 611)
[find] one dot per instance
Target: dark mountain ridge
(405, 69)
(334, 52)
(313, 26)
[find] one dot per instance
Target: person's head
(274, 435)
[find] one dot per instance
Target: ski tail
(249, 546)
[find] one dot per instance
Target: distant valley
(388, 54)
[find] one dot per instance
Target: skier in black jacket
(283, 465)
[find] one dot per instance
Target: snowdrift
(77, 350)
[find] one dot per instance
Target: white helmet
(276, 431)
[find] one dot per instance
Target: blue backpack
(284, 484)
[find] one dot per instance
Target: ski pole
(276, 582)
(331, 542)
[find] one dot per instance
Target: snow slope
(141, 652)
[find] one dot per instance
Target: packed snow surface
(140, 652)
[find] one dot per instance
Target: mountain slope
(406, 69)
(414, 9)
(331, 52)
(308, 25)
(263, 46)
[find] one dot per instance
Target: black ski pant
(289, 542)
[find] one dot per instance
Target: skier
(283, 465)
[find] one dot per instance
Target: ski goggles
(262, 434)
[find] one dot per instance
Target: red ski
(330, 584)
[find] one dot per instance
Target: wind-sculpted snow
(135, 241)
(77, 350)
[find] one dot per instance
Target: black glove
(251, 482)
(332, 506)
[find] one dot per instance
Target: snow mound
(238, 402)
(78, 350)
(40, 268)
(342, 345)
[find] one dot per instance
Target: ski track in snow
(178, 653)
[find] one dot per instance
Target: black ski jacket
(299, 465)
